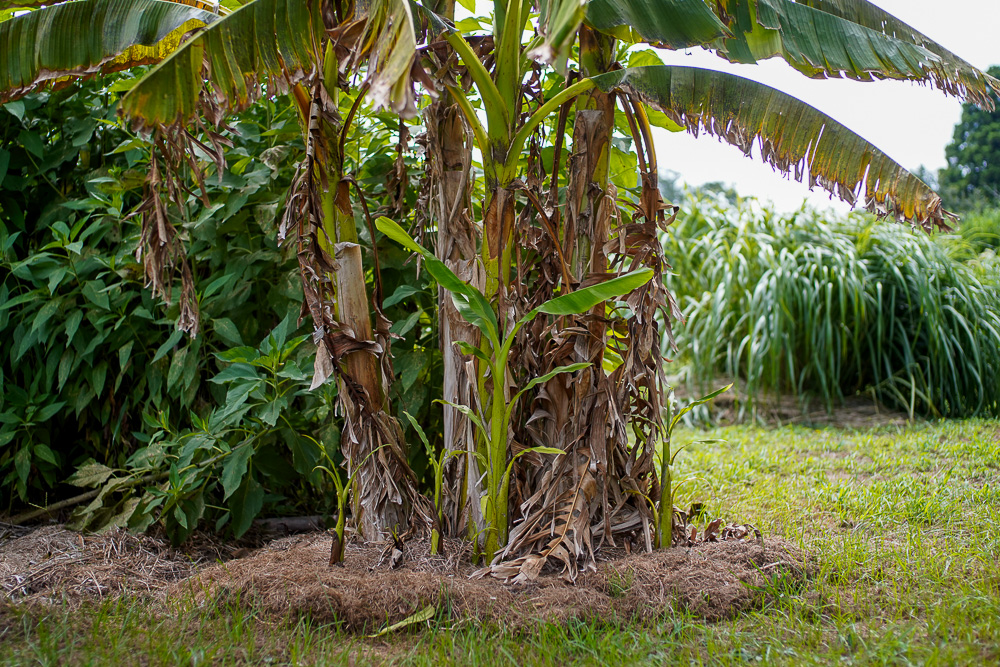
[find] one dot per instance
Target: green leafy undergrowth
(97, 386)
(255, 445)
(93, 370)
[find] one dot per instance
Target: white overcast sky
(910, 122)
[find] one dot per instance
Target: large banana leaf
(675, 24)
(223, 7)
(794, 137)
(821, 43)
(88, 37)
(964, 80)
(265, 39)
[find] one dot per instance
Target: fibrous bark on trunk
(348, 347)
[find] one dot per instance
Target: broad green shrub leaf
(401, 293)
(246, 504)
(410, 365)
(49, 411)
(167, 345)
(90, 474)
(227, 331)
(234, 469)
(237, 371)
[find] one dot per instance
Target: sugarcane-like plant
(540, 183)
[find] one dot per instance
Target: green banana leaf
(965, 80)
(224, 7)
(471, 304)
(558, 22)
(265, 40)
(822, 43)
(582, 300)
(47, 45)
(674, 24)
(793, 137)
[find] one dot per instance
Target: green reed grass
(825, 306)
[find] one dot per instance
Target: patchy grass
(904, 524)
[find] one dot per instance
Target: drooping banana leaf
(674, 24)
(265, 39)
(89, 37)
(558, 22)
(390, 47)
(794, 138)
(224, 6)
(967, 81)
(821, 44)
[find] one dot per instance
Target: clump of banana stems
(494, 355)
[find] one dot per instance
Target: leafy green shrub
(236, 454)
(100, 389)
(88, 351)
(826, 307)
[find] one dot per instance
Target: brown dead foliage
(290, 577)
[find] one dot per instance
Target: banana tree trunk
(450, 161)
(588, 227)
(449, 151)
(371, 441)
(384, 488)
(581, 412)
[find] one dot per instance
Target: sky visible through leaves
(910, 122)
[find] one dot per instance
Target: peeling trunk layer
(321, 216)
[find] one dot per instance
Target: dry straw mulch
(51, 564)
(290, 576)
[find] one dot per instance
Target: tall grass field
(821, 306)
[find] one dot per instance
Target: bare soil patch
(854, 412)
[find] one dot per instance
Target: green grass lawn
(904, 525)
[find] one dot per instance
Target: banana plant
(552, 221)
(437, 463)
(665, 514)
(495, 357)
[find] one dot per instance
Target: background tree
(972, 178)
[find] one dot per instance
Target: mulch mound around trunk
(376, 587)
(710, 580)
